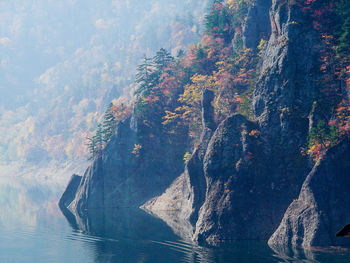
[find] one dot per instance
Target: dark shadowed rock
(344, 232)
(69, 194)
(257, 25)
(322, 208)
(208, 110)
(120, 178)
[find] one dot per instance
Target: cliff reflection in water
(132, 235)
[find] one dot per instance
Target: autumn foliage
(169, 89)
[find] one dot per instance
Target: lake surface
(33, 229)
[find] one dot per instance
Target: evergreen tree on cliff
(109, 124)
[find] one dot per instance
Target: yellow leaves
(223, 67)
(137, 149)
(170, 117)
(261, 46)
(187, 157)
(192, 93)
(231, 4)
(204, 80)
(316, 150)
(190, 100)
(235, 4)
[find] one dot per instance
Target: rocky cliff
(320, 211)
(246, 170)
(254, 169)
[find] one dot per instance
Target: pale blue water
(32, 229)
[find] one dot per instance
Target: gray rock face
(287, 84)
(322, 207)
(232, 173)
(208, 110)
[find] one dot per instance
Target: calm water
(33, 229)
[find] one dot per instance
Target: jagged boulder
(322, 208)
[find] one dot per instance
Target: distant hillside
(62, 62)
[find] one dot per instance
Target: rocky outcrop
(222, 168)
(120, 177)
(287, 84)
(252, 170)
(322, 207)
(231, 173)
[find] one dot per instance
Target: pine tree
(109, 124)
(91, 144)
(98, 139)
(95, 144)
(144, 75)
(162, 59)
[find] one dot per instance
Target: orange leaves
(120, 111)
(315, 151)
(243, 76)
(238, 99)
(255, 133)
(213, 46)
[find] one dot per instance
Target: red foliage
(218, 6)
(249, 156)
(151, 99)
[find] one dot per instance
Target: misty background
(62, 62)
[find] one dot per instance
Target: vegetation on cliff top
(169, 88)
